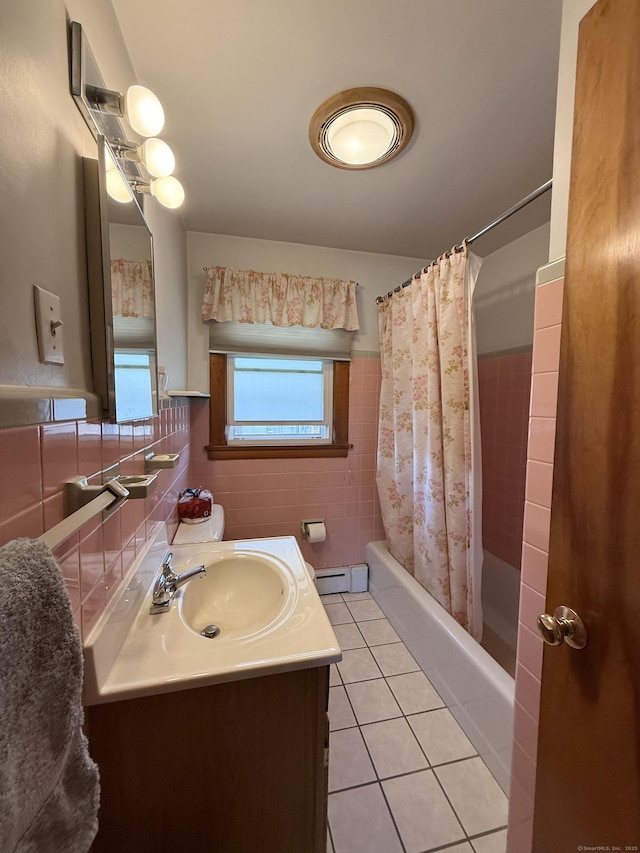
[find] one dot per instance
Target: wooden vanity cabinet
(239, 767)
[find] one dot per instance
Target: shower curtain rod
(469, 240)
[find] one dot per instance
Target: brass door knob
(565, 626)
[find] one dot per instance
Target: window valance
(246, 296)
(132, 288)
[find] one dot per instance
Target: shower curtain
(428, 469)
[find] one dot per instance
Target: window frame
(218, 448)
(327, 404)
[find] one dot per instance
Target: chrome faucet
(168, 583)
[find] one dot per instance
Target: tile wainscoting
(35, 460)
(504, 382)
(537, 516)
(269, 497)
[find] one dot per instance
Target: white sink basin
(259, 594)
(245, 594)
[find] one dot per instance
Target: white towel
(49, 790)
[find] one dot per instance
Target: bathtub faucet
(168, 583)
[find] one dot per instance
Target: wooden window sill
(282, 451)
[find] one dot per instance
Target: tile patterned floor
(403, 776)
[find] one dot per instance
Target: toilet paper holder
(304, 525)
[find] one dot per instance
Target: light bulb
(117, 187)
(157, 158)
(361, 135)
(143, 111)
(168, 191)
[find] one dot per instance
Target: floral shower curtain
(429, 472)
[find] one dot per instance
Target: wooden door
(588, 783)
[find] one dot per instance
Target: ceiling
(240, 80)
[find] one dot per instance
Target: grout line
(449, 846)
(449, 801)
(478, 835)
(393, 817)
(367, 785)
(329, 834)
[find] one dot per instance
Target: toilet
(211, 530)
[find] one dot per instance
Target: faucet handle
(167, 565)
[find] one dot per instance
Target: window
(279, 400)
(278, 407)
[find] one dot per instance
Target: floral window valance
(132, 288)
(246, 296)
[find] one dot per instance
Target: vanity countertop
(131, 653)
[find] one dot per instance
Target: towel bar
(111, 493)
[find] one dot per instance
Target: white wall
(130, 242)
(572, 12)
(505, 291)
(43, 138)
(375, 274)
(170, 267)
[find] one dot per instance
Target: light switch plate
(48, 326)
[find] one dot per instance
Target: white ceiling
(240, 80)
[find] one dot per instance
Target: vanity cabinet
(239, 767)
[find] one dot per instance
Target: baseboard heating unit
(343, 579)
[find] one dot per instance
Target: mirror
(121, 292)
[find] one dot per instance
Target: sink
(257, 591)
(244, 594)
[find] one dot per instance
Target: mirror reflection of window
(134, 372)
(121, 291)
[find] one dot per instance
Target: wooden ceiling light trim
(364, 97)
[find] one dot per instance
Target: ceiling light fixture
(361, 128)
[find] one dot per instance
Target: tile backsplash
(35, 461)
(269, 497)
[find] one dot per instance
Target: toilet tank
(209, 530)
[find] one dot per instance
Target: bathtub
(478, 692)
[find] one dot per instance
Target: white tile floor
(403, 776)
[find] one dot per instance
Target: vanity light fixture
(154, 154)
(138, 105)
(361, 128)
(117, 186)
(168, 191)
(103, 109)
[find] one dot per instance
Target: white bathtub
(474, 687)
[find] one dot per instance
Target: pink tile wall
(504, 389)
(36, 460)
(269, 497)
(537, 515)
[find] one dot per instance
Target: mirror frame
(100, 289)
